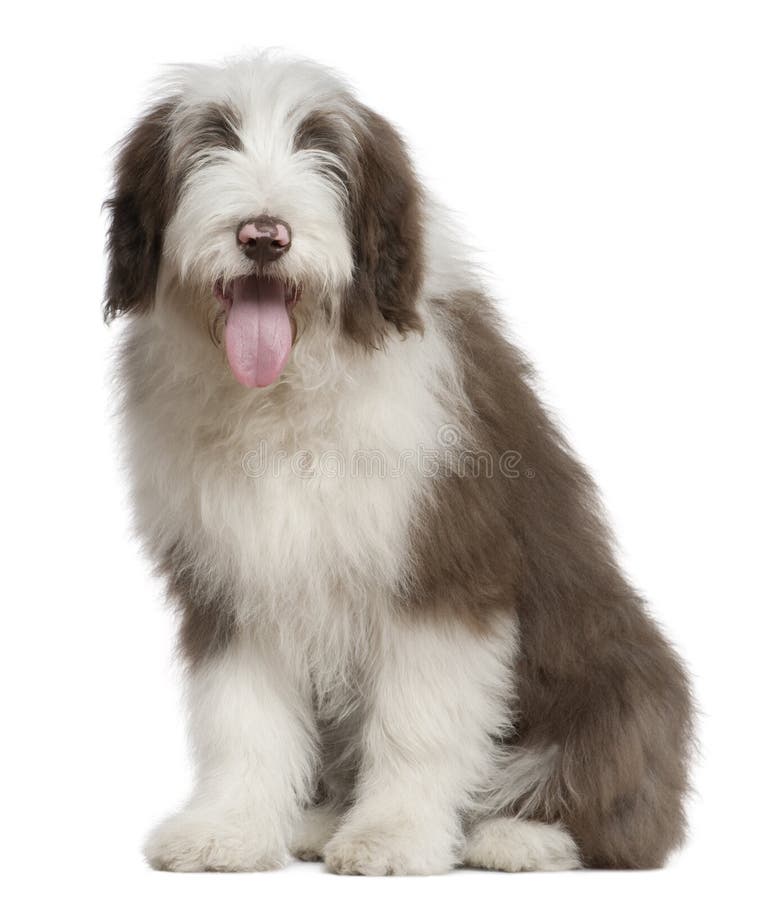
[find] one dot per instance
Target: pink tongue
(258, 332)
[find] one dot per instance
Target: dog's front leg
(253, 748)
(437, 695)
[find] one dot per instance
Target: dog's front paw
(387, 851)
(201, 842)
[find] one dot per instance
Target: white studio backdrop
(615, 164)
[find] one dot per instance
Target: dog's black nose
(264, 239)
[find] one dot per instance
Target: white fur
(521, 773)
(265, 176)
(252, 734)
(307, 560)
(438, 697)
(312, 560)
(315, 828)
(305, 551)
(516, 845)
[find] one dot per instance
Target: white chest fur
(300, 498)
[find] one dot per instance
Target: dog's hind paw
(517, 845)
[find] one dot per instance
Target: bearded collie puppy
(408, 644)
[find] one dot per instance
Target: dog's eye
(318, 131)
(217, 129)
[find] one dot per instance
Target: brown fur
(145, 193)
(595, 677)
(216, 127)
(321, 131)
(384, 209)
(207, 621)
(387, 237)
(143, 200)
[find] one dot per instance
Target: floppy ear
(385, 209)
(142, 202)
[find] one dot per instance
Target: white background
(616, 163)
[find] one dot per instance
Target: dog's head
(265, 191)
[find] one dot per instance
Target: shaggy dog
(408, 644)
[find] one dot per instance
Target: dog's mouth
(260, 327)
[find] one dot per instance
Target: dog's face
(266, 193)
